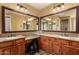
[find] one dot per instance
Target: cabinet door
(56, 49)
(7, 51)
(70, 50)
(73, 51)
(56, 46)
(44, 44)
(20, 49)
(65, 50)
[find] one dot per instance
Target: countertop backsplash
(40, 32)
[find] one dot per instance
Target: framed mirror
(15, 21)
(65, 21)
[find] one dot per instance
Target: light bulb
(26, 10)
(24, 21)
(54, 21)
(48, 19)
(22, 8)
(30, 19)
(62, 6)
(54, 10)
(58, 8)
(18, 7)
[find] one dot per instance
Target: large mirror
(63, 21)
(15, 21)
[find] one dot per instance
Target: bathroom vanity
(12, 46)
(59, 45)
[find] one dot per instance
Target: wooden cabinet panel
(56, 49)
(13, 47)
(70, 50)
(65, 42)
(75, 44)
(7, 50)
(20, 49)
(5, 44)
(1, 51)
(20, 46)
(44, 44)
(73, 51)
(65, 50)
(59, 46)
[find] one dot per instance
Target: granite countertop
(31, 37)
(60, 36)
(37, 36)
(2, 39)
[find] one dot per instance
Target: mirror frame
(77, 20)
(3, 20)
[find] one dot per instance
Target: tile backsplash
(33, 33)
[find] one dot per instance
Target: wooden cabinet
(44, 44)
(70, 50)
(20, 46)
(13, 47)
(59, 46)
(56, 46)
(6, 48)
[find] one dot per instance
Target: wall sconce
(58, 7)
(22, 8)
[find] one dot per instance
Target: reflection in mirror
(65, 21)
(15, 21)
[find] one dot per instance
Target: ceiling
(39, 5)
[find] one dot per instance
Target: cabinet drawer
(20, 40)
(5, 44)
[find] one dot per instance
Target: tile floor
(41, 53)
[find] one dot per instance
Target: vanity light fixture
(58, 7)
(24, 21)
(26, 10)
(62, 6)
(49, 19)
(18, 7)
(22, 8)
(30, 19)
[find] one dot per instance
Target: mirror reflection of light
(48, 19)
(58, 8)
(24, 21)
(28, 23)
(26, 10)
(18, 7)
(30, 19)
(22, 8)
(62, 6)
(54, 21)
(54, 10)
